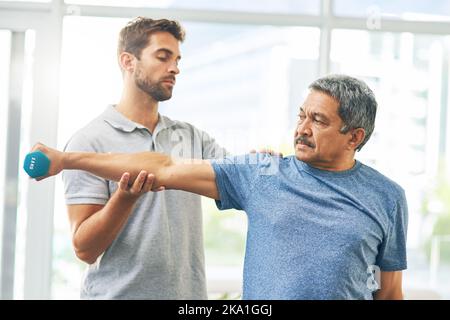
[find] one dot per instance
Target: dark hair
(357, 104)
(134, 37)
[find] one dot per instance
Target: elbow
(397, 296)
(389, 295)
(86, 257)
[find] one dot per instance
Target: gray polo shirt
(159, 253)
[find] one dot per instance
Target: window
(269, 6)
(16, 59)
(26, 0)
(5, 51)
(405, 71)
(88, 66)
(5, 44)
(242, 83)
(405, 10)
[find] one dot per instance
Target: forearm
(112, 166)
(95, 234)
(390, 286)
(388, 295)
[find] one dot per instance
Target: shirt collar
(122, 123)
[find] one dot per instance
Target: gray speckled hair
(357, 104)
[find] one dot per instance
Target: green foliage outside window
(440, 196)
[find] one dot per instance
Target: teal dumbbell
(36, 164)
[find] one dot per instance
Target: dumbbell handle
(36, 164)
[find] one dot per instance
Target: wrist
(65, 160)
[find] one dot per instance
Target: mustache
(303, 140)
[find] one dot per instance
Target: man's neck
(335, 165)
(139, 108)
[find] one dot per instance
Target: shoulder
(261, 161)
(383, 182)
(89, 137)
(389, 192)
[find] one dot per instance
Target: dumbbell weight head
(36, 164)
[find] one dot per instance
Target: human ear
(127, 61)
(356, 138)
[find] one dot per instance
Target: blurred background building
(245, 69)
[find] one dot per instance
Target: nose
(173, 68)
(303, 128)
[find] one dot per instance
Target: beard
(153, 89)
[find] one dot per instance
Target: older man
(320, 223)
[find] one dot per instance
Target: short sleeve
(211, 149)
(392, 251)
(236, 178)
(81, 187)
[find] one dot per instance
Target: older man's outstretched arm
(195, 176)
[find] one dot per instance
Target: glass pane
(254, 76)
(401, 9)
(24, 73)
(242, 84)
(267, 6)
(22, 210)
(90, 79)
(5, 52)
(406, 72)
(26, 0)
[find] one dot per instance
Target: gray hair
(357, 104)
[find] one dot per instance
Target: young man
(320, 224)
(148, 247)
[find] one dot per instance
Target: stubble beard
(154, 90)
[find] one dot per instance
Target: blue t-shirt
(313, 234)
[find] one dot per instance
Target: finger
(161, 188)
(36, 147)
(148, 183)
(42, 177)
(123, 183)
(139, 182)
